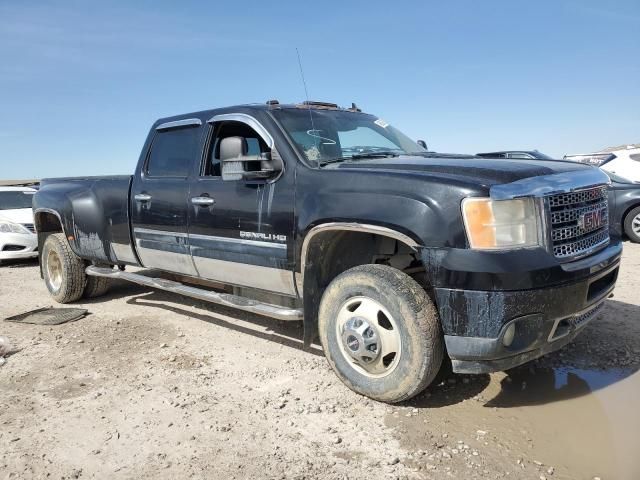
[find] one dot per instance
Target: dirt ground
(152, 385)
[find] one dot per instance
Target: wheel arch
(338, 246)
(46, 222)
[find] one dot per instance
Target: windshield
(15, 199)
(325, 135)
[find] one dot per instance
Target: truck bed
(95, 214)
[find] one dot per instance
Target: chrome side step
(226, 299)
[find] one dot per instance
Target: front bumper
(18, 245)
(542, 320)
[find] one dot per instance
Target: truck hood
(17, 215)
(485, 171)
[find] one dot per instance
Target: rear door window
(173, 152)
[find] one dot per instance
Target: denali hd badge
(593, 220)
(268, 237)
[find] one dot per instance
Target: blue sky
(80, 82)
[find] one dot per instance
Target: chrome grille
(30, 227)
(579, 221)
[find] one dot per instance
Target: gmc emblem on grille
(592, 220)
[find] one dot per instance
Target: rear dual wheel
(380, 333)
(64, 274)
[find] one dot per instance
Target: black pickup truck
(397, 258)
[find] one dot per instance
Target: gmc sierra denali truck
(397, 258)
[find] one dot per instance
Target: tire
(631, 222)
(62, 269)
(96, 286)
(406, 342)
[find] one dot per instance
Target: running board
(226, 299)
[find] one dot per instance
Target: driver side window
(251, 143)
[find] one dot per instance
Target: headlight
(10, 227)
(500, 224)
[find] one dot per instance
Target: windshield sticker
(381, 123)
(312, 153)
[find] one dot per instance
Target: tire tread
(425, 317)
(74, 279)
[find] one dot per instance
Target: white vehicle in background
(621, 161)
(17, 234)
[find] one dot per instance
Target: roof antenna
(306, 93)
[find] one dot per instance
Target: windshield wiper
(356, 156)
(379, 154)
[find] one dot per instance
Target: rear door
(159, 208)
(241, 231)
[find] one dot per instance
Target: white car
(17, 234)
(624, 162)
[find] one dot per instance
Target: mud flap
(312, 296)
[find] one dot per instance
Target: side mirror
(237, 165)
(423, 144)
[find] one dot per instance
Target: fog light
(510, 332)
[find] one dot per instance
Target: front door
(159, 194)
(241, 231)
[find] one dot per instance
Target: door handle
(203, 201)
(142, 197)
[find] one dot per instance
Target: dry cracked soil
(153, 385)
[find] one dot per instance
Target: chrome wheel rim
(635, 224)
(54, 270)
(368, 337)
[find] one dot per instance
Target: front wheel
(380, 333)
(62, 269)
(632, 225)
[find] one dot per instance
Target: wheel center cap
(353, 343)
(360, 340)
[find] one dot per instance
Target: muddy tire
(380, 333)
(96, 286)
(62, 269)
(632, 225)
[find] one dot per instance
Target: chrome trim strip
(164, 250)
(269, 279)
(124, 252)
(150, 231)
(187, 122)
(169, 261)
(352, 227)
(550, 184)
(228, 300)
(242, 241)
(248, 120)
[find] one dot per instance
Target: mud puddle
(533, 422)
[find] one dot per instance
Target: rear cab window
(173, 152)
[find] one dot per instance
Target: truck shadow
(451, 390)
(19, 263)
(288, 334)
(606, 352)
